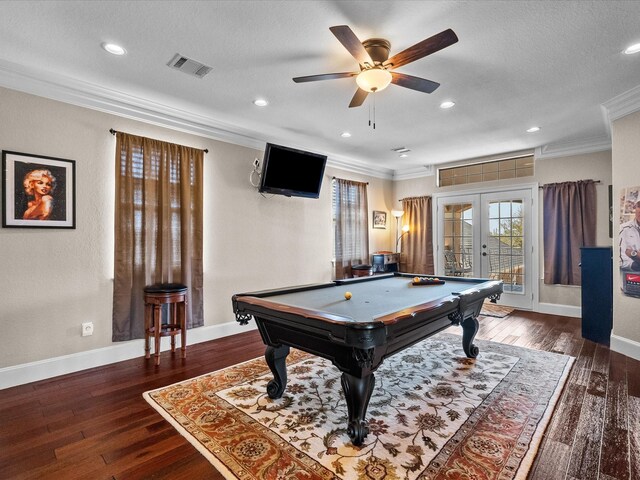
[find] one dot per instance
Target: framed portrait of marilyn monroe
(38, 191)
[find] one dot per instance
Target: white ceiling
(517, 64)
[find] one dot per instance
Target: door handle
(484, 254)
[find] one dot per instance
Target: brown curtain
(351, 213)
(417, 245)
(569, 222)
(158, 227)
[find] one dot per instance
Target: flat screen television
(291, 172)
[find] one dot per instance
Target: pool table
(385, 314)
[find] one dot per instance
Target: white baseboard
(556, 309)
(625, 346)
(52, 367)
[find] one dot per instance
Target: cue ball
(347, 295)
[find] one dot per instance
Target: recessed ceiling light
(533, 129)
(345, 134)
(447, 104)
(114, 49)
(632, 49)
(260, 102)
(404, 155)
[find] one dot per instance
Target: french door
(488, 235)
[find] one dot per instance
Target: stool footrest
(174, 296)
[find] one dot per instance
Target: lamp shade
(397, 213)
(373, 79)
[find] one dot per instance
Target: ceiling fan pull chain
(369, 114)
(374, 110)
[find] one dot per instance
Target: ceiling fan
(376, 68)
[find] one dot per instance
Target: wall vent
(191, 67)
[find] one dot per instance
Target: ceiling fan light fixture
(373, 79)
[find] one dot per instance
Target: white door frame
(535, 221)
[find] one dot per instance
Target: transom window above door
(487, 171)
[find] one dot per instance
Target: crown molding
(619, 106)
(350, 165)
(414, 172)
(622, 105)
(84, 94)
(573, 147)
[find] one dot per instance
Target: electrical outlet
(87, 329)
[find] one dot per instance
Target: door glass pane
(458, 240)
(506, 243)
(516, 210)
(494, 211)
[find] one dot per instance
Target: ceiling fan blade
(349, 40)
(324, 76)
(414, 83)
(359, 98)
(423, 48)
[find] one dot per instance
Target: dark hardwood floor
(95, 424)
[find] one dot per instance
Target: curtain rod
(113, 132)
(337, 178)
(411, 198)
(594, 181)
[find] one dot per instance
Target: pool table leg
(469, 329)
(276, 359)
(357, 392)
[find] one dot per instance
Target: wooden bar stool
(174, 295)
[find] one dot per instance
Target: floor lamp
(398, 214)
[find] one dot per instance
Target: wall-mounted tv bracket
(255, 173)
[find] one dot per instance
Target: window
(351, 227)
(487, 171)
(158, 227)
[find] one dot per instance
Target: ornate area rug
(434, 414)
(492, 310)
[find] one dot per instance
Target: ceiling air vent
(400, 150)
(186, 65)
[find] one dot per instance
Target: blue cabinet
(597, 293)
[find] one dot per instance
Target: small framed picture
(379, 219)
(39, 192)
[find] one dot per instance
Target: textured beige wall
(596, 166)
(626, 173)
(53, 280)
